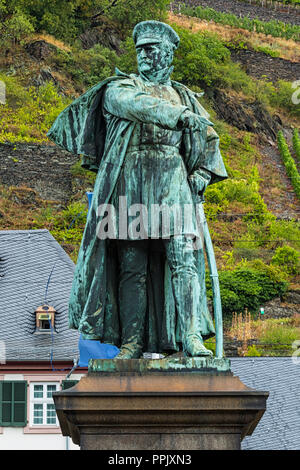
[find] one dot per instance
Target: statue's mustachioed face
(152, 58)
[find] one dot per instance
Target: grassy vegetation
(264, 336)
(240, 38)
(273, 28)
(65, 224)
(88, 176)
(28, 113)
(85, 67)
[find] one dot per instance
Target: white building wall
(14, 438)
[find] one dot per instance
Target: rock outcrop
(245, 115)
(43, 168)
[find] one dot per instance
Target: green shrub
(203, 59)
(248, 287)
(77, 170)
(233, 77)
(211, 345)
(274, 273)
(253, 351)
(28, 113)
(238, 190)
(74, 214)
(68, 19)
(64, 20)
(230, 299)
(262, 239)
(66, 226)
(282, 230)
(72, 236)
(87, 67)
(127, 13)
(282, 98)
(287, 258)
(296, 144)
(14, 28)
(289, 163)
(267, 50)
(225, 141)
(243, 191)
(72, 217)
(214, 195)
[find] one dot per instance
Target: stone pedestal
(162, 404)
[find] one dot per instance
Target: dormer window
(44, 315)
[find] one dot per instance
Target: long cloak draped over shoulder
(93, 304)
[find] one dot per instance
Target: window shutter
(13, 403)
(68, 384)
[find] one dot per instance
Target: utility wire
(51, 350)
(45, 301)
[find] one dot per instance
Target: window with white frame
(42, 409)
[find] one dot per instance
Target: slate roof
(279, 427)
(27, 259)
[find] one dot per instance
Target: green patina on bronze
(169, 364)
(142, 134)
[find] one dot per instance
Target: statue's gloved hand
(199, 181)
(193, 121)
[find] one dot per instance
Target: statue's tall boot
(133, 259)
(192, 341)
(187, 294)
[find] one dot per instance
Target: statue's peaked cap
(154, 32)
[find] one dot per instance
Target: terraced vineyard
(273, 28)
(242, 8)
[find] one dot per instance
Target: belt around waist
(134, 148)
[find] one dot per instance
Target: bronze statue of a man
(153, 149)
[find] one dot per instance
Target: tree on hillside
(68, 19)
(14, 27)
(127, 13)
